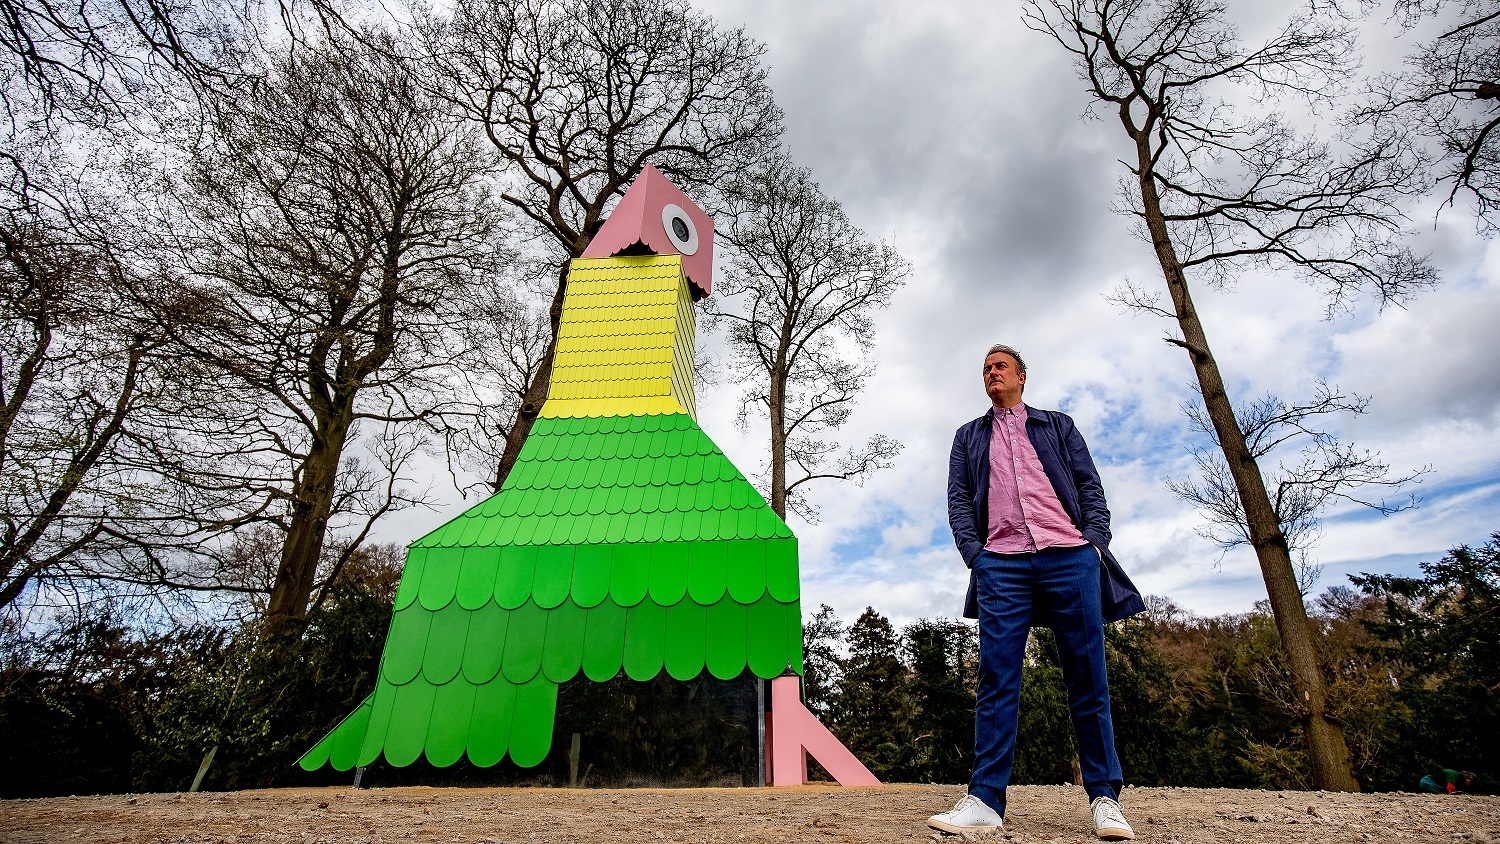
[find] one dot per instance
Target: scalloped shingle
(623, 541)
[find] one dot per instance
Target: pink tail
(794, 732)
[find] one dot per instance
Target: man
(1029, 517)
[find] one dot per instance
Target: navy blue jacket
(1065, 458)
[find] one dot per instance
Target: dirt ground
(825, 814)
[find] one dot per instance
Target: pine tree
(944, 656)
(874, 712)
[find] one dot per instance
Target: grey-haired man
(1029, 516)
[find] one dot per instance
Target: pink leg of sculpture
(796, 731)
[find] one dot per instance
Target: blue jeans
(1056, 588)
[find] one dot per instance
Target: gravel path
(1050, 814)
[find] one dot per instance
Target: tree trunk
(312, 504)
(1327, 751)
(777, 400)
(536, 391)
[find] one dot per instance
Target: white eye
(680, 229)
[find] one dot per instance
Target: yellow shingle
(625, 343)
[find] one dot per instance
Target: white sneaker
(970, 815)
(1109, 821)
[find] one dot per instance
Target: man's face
(1003, 379)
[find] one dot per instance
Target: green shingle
(445, 644)
(707, 571)
(562, 655)
(645, 638)
(781, 570)
(598, 526)
(651, 498)
(591, 574)
(671, 528)
(490, 722)
(348, 730)
(382, 702)
(629, 576)
(794, 634)
(487, 627)
(411, 578)
(618, 544)
(531, 734)
(561, 530)
(604, 641)
(634, 498)
(686, 632)
(765, 642)
(439, 577)
(476, 577)
(472, 527)
(525, 638)
(405, 645)
(554, 575)
(582, 525)
(407, 733)
(668, 573)
(505, 534)
(635, 529)
(514, 577)
(450, 534)
(745, 569)
(492, 528)
(724, 626)
(448, 729)
(348, 736)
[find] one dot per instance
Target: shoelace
(1111, 813)
(963, 802)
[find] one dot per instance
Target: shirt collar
(1019, 409)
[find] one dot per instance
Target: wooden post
(573, 760)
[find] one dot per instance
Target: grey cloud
(952, 132)
(1442, 355)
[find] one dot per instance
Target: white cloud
(955, 134)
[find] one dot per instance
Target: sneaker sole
(1111, 833)
(960, 830)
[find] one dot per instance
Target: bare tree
(74, 366)
(1325, 472)
(513, 328)
(1450, 93)
(93, 61)
(83, 370)
(327, 240)
(576, 96)
(99, 62)
(1219, 192)
(798, 302)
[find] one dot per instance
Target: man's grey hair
(1001, 347)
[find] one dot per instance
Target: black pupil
(679, 228)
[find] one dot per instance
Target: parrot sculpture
(623, 541)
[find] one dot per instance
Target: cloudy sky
(954, 133)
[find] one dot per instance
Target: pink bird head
(655, 214)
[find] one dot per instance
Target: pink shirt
(1025, 514)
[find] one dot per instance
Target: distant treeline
(1414, 666)
(92, 703)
